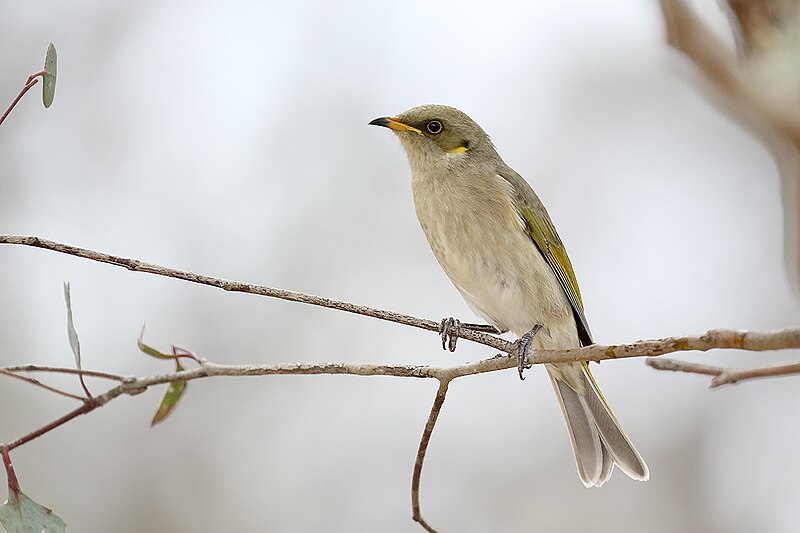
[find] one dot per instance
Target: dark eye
(434, 127)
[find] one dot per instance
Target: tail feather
(621, 449)
(608, 467)
(597, 438)
(582, 432)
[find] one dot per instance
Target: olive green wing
(543, 233)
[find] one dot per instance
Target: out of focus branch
(743, 97)
(757, 87)
(723, 375)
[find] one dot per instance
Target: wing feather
(544, 235)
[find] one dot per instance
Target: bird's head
(436, 134)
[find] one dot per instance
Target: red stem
(38, 383)
(85, 389)
(32, 80)
(13, 484)
(89, 405)
(36, 75)
(178, 353)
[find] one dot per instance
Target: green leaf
(74, 343)
(174, 390)
(152, 352)
(171, 397)
(49, 79)
(20, 514)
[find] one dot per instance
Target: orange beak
(394, 123)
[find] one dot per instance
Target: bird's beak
(394, 123)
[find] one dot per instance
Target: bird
(494, 239)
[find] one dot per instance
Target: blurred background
(232, 140)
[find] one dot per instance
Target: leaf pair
(176, 388)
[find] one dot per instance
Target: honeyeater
(495, 241)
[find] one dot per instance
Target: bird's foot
(524, 348)
(450, 329)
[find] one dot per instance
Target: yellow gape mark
(459, 150)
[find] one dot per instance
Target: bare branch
(734, 376)
(64, 370)
(723, 339)
(674, 365)
(89, 404)
(714, 339)
(723, 375)
(260, 290)
(38, 383)
(422, 450)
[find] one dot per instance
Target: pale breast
(480, 242)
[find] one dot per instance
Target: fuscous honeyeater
(495, 241)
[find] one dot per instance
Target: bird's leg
(450, 328)
(524, 348)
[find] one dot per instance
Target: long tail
(597, 438)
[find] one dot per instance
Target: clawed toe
(449, 330)
(524, 348)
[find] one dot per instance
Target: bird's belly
(504, 278)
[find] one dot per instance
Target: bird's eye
(434, 127)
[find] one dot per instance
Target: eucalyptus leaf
(49, 78)
(20, 514)
(171, 397)
(74, 343)
(149, 350)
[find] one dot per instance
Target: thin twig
(719, 339)
(422, 450)
(13, 484)
(65, 370)
(260, 290)
(38, 383)
(735, 376)
(754, 341)
(674, 365)
(723, 375)
(31, 81)
(89, 405)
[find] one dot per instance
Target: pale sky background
(231, 139)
